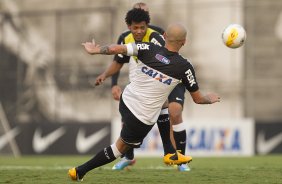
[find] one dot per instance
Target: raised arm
(93, 48)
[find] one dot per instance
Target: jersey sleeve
(139, 48)
(157, 39)
(120, 58)
(189, 78)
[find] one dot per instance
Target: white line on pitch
(23, 167)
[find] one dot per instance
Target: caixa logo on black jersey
(156, 75)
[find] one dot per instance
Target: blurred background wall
(46, 77)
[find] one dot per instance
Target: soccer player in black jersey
(158, 71)
(175, 99)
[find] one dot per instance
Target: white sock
(115, 150)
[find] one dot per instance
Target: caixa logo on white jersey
(190, 77)
(142, 46)
(156, 75)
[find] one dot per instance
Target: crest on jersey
(162, 59)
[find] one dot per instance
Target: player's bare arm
(93, 48)
(116, 92)
(113, 68)
(208, 98)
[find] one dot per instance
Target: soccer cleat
(123, 164)
(176, 159)
(74, 175)
(183, 167)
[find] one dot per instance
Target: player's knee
(121, 145)
(175, 117)
(175, 120)
(175, 114)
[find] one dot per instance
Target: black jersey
(158, 71)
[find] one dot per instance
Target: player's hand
(116, 92)
(100, 79)
(213, 97)
(91, 47)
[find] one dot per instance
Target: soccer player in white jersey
(137, 20)
(171, 112)
(159, 70)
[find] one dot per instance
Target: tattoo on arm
(104, 50)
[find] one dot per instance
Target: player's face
(138, 30)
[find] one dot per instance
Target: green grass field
(53, 169)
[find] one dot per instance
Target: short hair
(137, 15)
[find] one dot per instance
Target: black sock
(129, 154)
(164, 128)
(103, 157)
(180, 140)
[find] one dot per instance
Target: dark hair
(137, 15)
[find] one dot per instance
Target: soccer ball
(234, 36)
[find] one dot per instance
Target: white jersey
(132, 65)
(157, 72)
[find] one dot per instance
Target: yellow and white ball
(234, 36)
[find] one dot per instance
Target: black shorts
(178, 94)
(133, 130)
